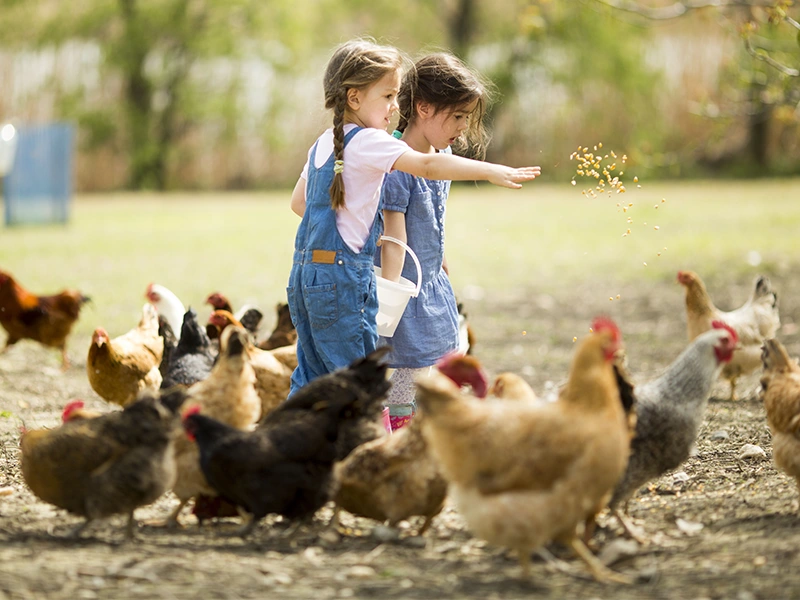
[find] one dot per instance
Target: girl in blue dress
(442, 104)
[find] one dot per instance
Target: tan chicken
(755, 321)
(273, 375)
(511, 386)
(122, 367)
(391, 479)
(227, 395)
(780, 392)
(523, 474)
(395, 477)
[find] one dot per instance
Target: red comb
(722, 325)
(448, 358)
(69, 408)
(192, 410)
(606, 324)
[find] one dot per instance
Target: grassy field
(499, 242)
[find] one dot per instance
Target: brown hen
(44, 319)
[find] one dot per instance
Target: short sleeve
(396, 191)
(376, 149)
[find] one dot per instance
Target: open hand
(514, 177)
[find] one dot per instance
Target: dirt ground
(721, 527)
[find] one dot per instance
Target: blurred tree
(154, 51)
(565, 72)
(764, 79)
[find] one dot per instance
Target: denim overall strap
(331, 292)
(319, 220)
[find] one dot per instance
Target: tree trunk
(462, 27)
(758, 126)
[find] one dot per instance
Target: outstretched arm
(457, 168)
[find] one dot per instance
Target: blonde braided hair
(355, 64)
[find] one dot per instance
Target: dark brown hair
(446, 83)
(355, 64)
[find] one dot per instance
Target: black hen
(285, 465)
(192, 359)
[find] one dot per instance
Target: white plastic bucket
(393, 296)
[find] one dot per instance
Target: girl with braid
(332, 291)
(442, 104)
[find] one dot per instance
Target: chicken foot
(634, 532)
(76, 533)
(599, 571)
(172, 521)
(246, 529)
(556, 563)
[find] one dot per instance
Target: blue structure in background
(38, 187)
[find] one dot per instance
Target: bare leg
(334, 522)
(558, 564)
(76, 533)
(524, 555)
(130, 530)
(599, 571)
(425, 525)
(589, 527)
(733, 389)
(248, 527)
(64, 359)
(632, 530)
(172, 521)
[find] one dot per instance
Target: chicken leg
(130, 529)
(76, 533)
(599, 571)
(632, 530)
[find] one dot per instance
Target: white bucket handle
(414, 256)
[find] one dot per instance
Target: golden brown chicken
(755, 321)
(107, 465)
(273, 377)
(227, 395)
(780, 392)
(395, 477)
(511, 386)
(525, 473)
(45, 319)
(122, 367)
(284, 333)
(391, 479)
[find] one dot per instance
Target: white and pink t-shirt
(368, 156)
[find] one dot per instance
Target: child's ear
(353, 98)
(425, 110)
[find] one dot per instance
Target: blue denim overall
(332, 295)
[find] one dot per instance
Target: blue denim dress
(429, 327)
(331, 293)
